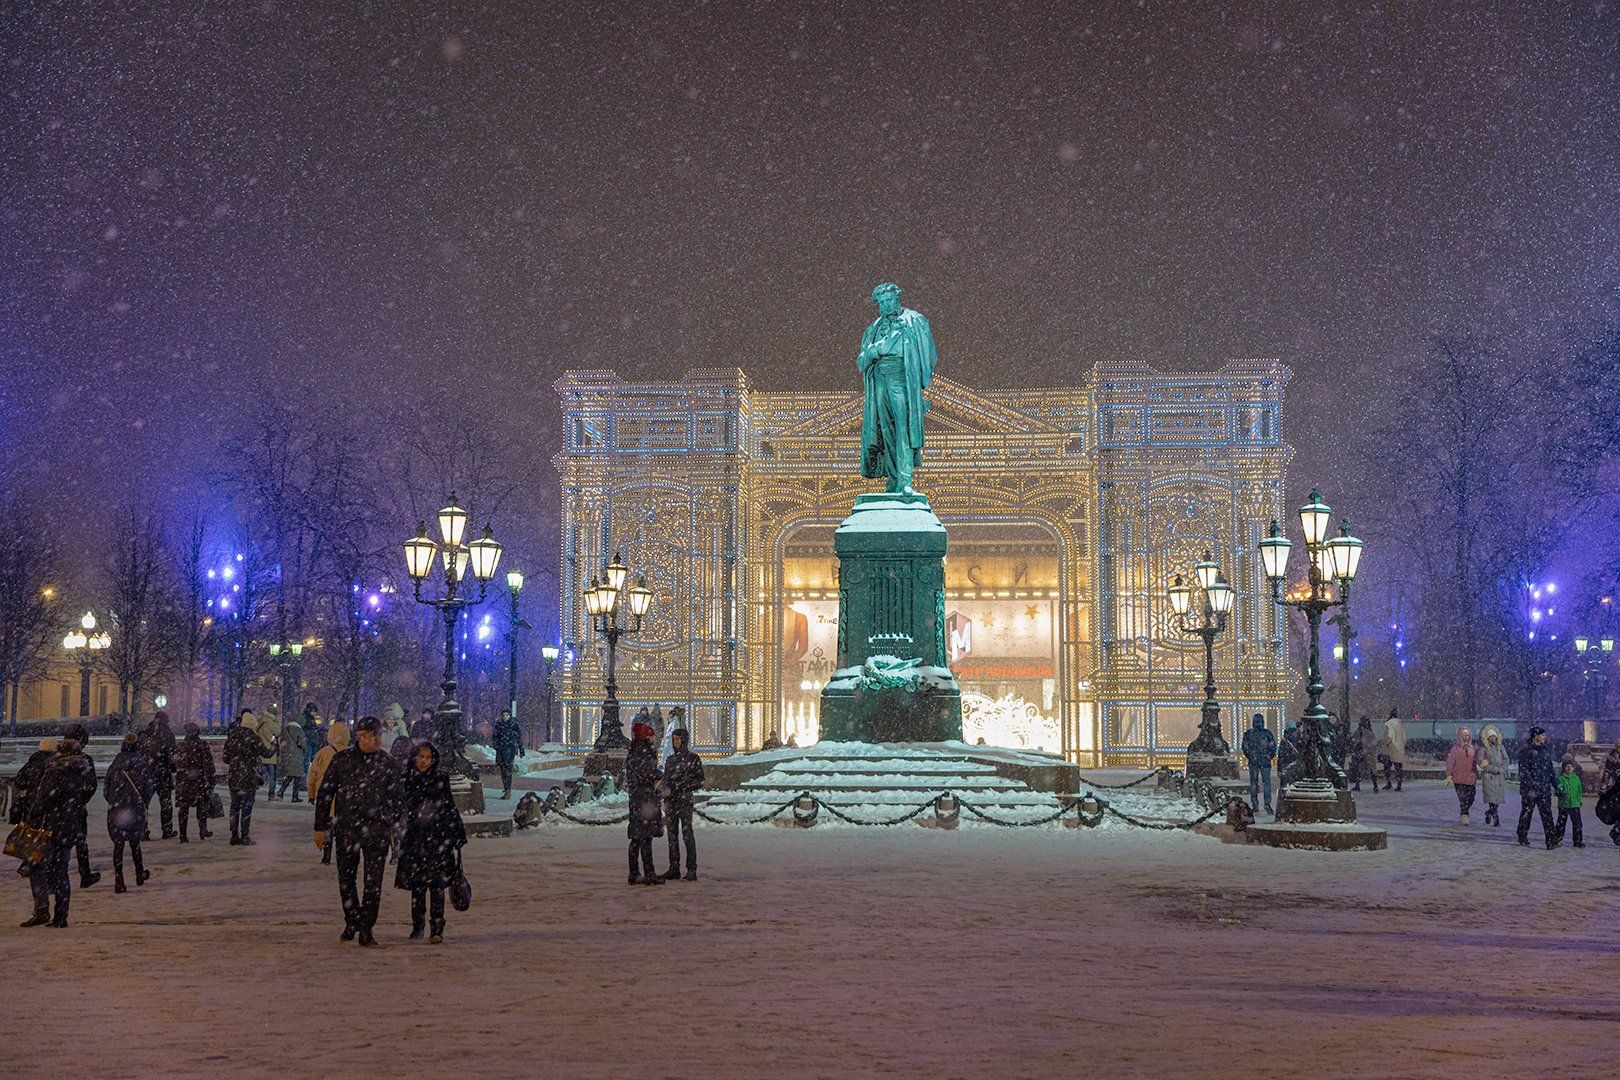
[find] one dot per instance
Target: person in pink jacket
(1462, 772)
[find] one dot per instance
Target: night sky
(369, 212)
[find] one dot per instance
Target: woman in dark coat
(428, 860)
(641, 778)
(194, 779)
(129, 787)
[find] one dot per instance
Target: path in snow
(846, 952)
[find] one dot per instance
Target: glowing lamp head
(549, 652)
(1221, 596)
(88, 621)
(617, 573)
(297, 649)
(1582, 643)
(485, 555)
(1206, 570)
(1345, 555)
(1274, 553)
(514, 581)
(1313, 518)
(420, 553)
(275, 649)
(640, 598)
(452, 523)
(1606, 644)
(593, 597)
(1180, 596)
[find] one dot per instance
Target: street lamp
(1206, 619)
(514, 586)
(606, 602)
(481, 557)
(286, 656)
(83, 644)
(548, 657)
(1596, 656)
(1338, 560)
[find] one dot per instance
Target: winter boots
(672, 874)
(436, 932)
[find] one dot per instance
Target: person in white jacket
(1395, 736)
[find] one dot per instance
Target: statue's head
(887, 298)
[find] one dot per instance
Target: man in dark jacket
(359, 801)
(1537, 776)
(27, 778)
(1258, 747)
(58, 805)
(683, 776)
(243, 749)
(507, 741)
(158, 748)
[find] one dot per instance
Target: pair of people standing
(661, 798)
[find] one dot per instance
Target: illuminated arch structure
(1067, 509)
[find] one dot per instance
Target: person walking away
(359, 802)
(313, 735)
(81, 738)
(641, 778)
(1259, 746)
(1570, 793)
(290, 759)
(507, 741)
(128, 789)
(243, 751)
(683, 778)
(337, 739)
(1537, 779)
(1491, 762)
(1364, 755)
(434, 835)
(158, 747)
(58, 806)
(1462, 772)
(1395, 732)
(194, 779)
(270, 735)
(27, 778)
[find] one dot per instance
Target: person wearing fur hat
(1492, 760)
(359, 802)
(27, 778)
(397, 734)
(1537, 778)
(194, 779)
(58, 806)
(641, 780)
(129, 788)
(1462, 771)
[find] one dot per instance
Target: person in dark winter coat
(1259, 745)
(1537, 777)
(128, 789)
(194, 778)
(1570, 793)
(1609, 786)
(27, 778)
(641, 780)
(425, 728)
(359, 801)
(58, 806)
(683, 777)
(158, 747)
(291, 761)
(507, 742)
(243, 749)
(428, 862)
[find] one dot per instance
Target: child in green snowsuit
(1569, 804)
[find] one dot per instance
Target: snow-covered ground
(846, 952)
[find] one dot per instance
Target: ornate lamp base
(1316, 815)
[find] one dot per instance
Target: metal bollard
(947, 811)
(805, 811)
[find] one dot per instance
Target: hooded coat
(26, 781)
(292, 749)
(243, 749)
(1395, 732)
(194, 772)
(65, 788)
(129, 788)
(270, 735)
(1461, 761)
(641, 777)
(506, 740)
(337, 738)
(433, 828)
(1492, 760)
(158, 747)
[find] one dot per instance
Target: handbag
(460, 888)
(30, 843)
(216, 805)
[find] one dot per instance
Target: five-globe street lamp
(609, 603)
(481, 557)
(1334, 561)
(1205, 619)
(84, 643)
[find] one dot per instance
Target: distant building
(1068, 511)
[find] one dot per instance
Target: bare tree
(29, 619)
(144, 626)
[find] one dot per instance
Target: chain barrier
(1162, 770)
(750, 821)
(982, 816)
(833, 810)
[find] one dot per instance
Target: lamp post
(83, 644)
(1331, 560)
(548, 659)
(514, 586)
(607, 601)
(1209, 754)
(1596, 656)
(286, 656)
(481, 557)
